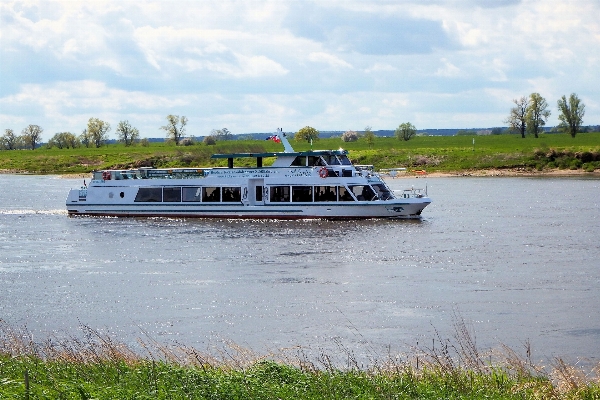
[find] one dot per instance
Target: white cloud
(448, 70)
(253, 65)
(380, 67)
(329, 59)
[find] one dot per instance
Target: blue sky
(253, 66)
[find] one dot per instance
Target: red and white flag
(274, 138)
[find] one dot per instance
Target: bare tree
(221, 134)
(9, 141)
(63, 140)
(350, 136)
(571, 114)
(97, 131)
(175, 127)
(85, 138)
(537, 113)
(126, 133)
(517, 119)
(369, 136)
(32, 136)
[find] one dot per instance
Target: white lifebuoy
(323, 172)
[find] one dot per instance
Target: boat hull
(116, 207)
(292, 211)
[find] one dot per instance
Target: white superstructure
(298, 185)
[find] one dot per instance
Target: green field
(432, 153)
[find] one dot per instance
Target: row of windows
(328, 193)
(312, 161)
(277, 194)
(190, 194)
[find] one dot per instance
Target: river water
(518, 259)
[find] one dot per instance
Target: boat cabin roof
(283, 154)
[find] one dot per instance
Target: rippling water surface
(517, 258)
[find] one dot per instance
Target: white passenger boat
(298, 185)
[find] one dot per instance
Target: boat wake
(32, 212)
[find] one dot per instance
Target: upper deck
(323, 163)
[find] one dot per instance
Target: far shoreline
(512, 172)
(480, 173)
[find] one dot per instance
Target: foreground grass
(97, 367)
(434, 153)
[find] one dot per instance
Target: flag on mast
(274, 138)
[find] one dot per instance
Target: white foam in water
(33, 212)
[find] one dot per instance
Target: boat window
(302, 193)
(149, 194)
(280, 194)
(259, 193)
(232, 194)
(315, 161)
(345, 194)
(172, 194)
(332, 160)
(345, 160)
(363, 192)
(299, 161)
(191, 193)
(211, 194)
(383, 192)
(325, 193)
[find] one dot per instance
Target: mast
(287, 147)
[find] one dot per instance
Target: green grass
(263, 380)
(95, 366)
(433, 153)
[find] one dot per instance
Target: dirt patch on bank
(499, 173)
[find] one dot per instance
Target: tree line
(96, 135)
(529, 115)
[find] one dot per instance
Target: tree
(307, 133)
(405, 131)
(85, 138)
(369, 136)
(63, 140)
(571, 114)
(209, 141)
(517, 120)
(32, 136)
(537, 114)
(221, 134)
(9, 141)
(350, 136)
(126, 133)
(175, 127)
(97, 131)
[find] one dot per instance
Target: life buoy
(323, 172)
(106, 175)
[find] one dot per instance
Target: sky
(254, 66)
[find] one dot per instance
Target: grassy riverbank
(442, 154)
(96, 366)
